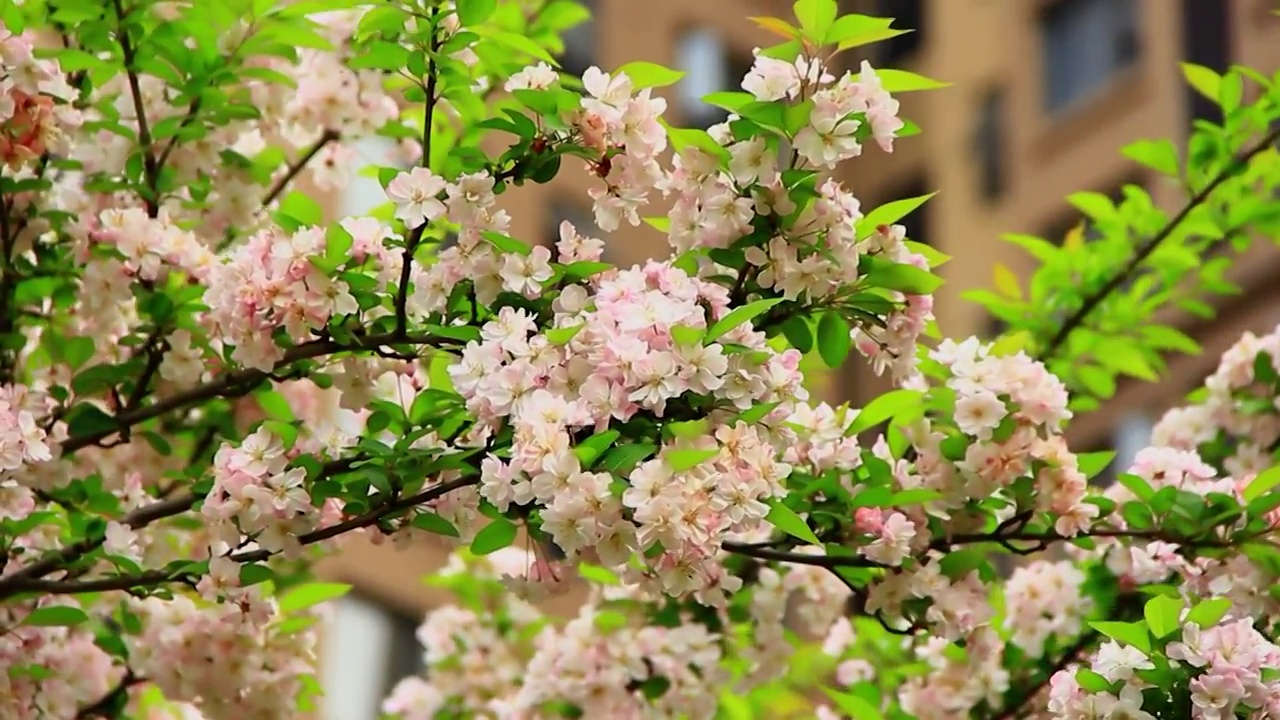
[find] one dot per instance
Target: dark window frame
(1061, 91)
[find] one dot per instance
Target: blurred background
(1044, 95)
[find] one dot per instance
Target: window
(710, 67)
(989, 145)
(1130, 436)
(367, 648)
(1206, 38)
(907, 15)
(363, 193)
(580, 215)
(580, 43)
(1084, 43)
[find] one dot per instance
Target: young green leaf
(834, 341)
(1162, 614)
(737, 316)
(474, 12)
(55, 615)
(647, 75)
(1262, 484)
(493, 537)
(1095, 462)
(890, 213)
(854, 706)
(304, 596)
(816, 18)
(786, 520)
(883, 408)
(1134, 634)
(433, 523)
(681, 460)
(1207, 613)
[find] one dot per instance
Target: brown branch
(298, 165)
(15, 582)
(150, 171)
(1018, 707)
(159, 577)
(238, 383)
(1144, 251)
(415, 235)
(106, 706)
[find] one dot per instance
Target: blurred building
(1045, 94)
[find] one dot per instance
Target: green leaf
(681, 460)
(692, 137)
(647, 75)
(1162, 614)
(1095, 462)
(816, 18)
(304, 596)
(496, 535)
(433, 523)
(523, 44)
(55, 615)
(506, 244)
(904, 81)
(890, 213)
(301, 208)
(901, 277)
(870, 36)
(757, 412)
(1208, 612)
(729, 100)
(562, 336)
(1159, 155)
(1092, 681)
(786, 520)
(689, 428)
(1140, 488)
(597, 574)
(1262, 484)
(1205, 81)
(474, 12)
(685, 335)
(737, 316)
(624, 457)
(834, 342)
(593, 447)
(883, 408)
(1133, 634)
(854, 706)
(847, 27)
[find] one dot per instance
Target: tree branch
(149, 169)
(1018, 706)
(415, 235)
(239, 383)
(108, 705)
(298, 165)
(159, 577)
(1144, 251)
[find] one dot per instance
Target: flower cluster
(24, 439)
(637, 345)
(35, 113)
(497, 661)
(49, 671)
(270, 282)
(256, 494)
(625, 130)
(230, 660)
(1222, 670)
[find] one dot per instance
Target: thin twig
(1017, 708)
(239, 383)
(298, 165)
(1144, 251)
(415, 235)
(158, 577)
(149, 169)
(104, 707)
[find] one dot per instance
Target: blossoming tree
(204, 384)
